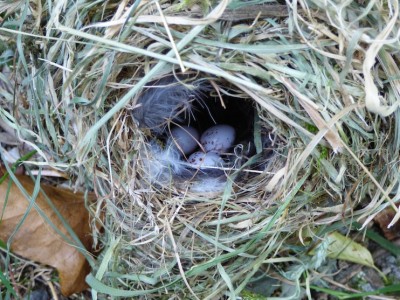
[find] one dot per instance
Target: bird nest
(311, 88)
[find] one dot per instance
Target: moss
(247, 295)
(203, 4)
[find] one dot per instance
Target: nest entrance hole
(168, 103)
(213, 110)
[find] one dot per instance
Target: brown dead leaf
(384, 218)
(36, 240)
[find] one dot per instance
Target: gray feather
(166, 100)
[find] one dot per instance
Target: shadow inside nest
(198, 137)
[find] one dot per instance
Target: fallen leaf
(344, 248)
(384, 218)
(37, 240)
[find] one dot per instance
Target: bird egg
(203, 160)
(218, 138)
(185, 138)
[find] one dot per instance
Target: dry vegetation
(323, 77)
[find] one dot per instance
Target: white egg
(202, 160)
(218, 138)
(185, 138)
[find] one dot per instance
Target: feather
(207, 184)
(167, 100)
(162, 164)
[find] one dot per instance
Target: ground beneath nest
(346, 277)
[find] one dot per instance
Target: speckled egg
(185, 138)
(218, 138)
(203, 160)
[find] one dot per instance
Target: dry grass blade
(331, 135)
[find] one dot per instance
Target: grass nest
(320, 82)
